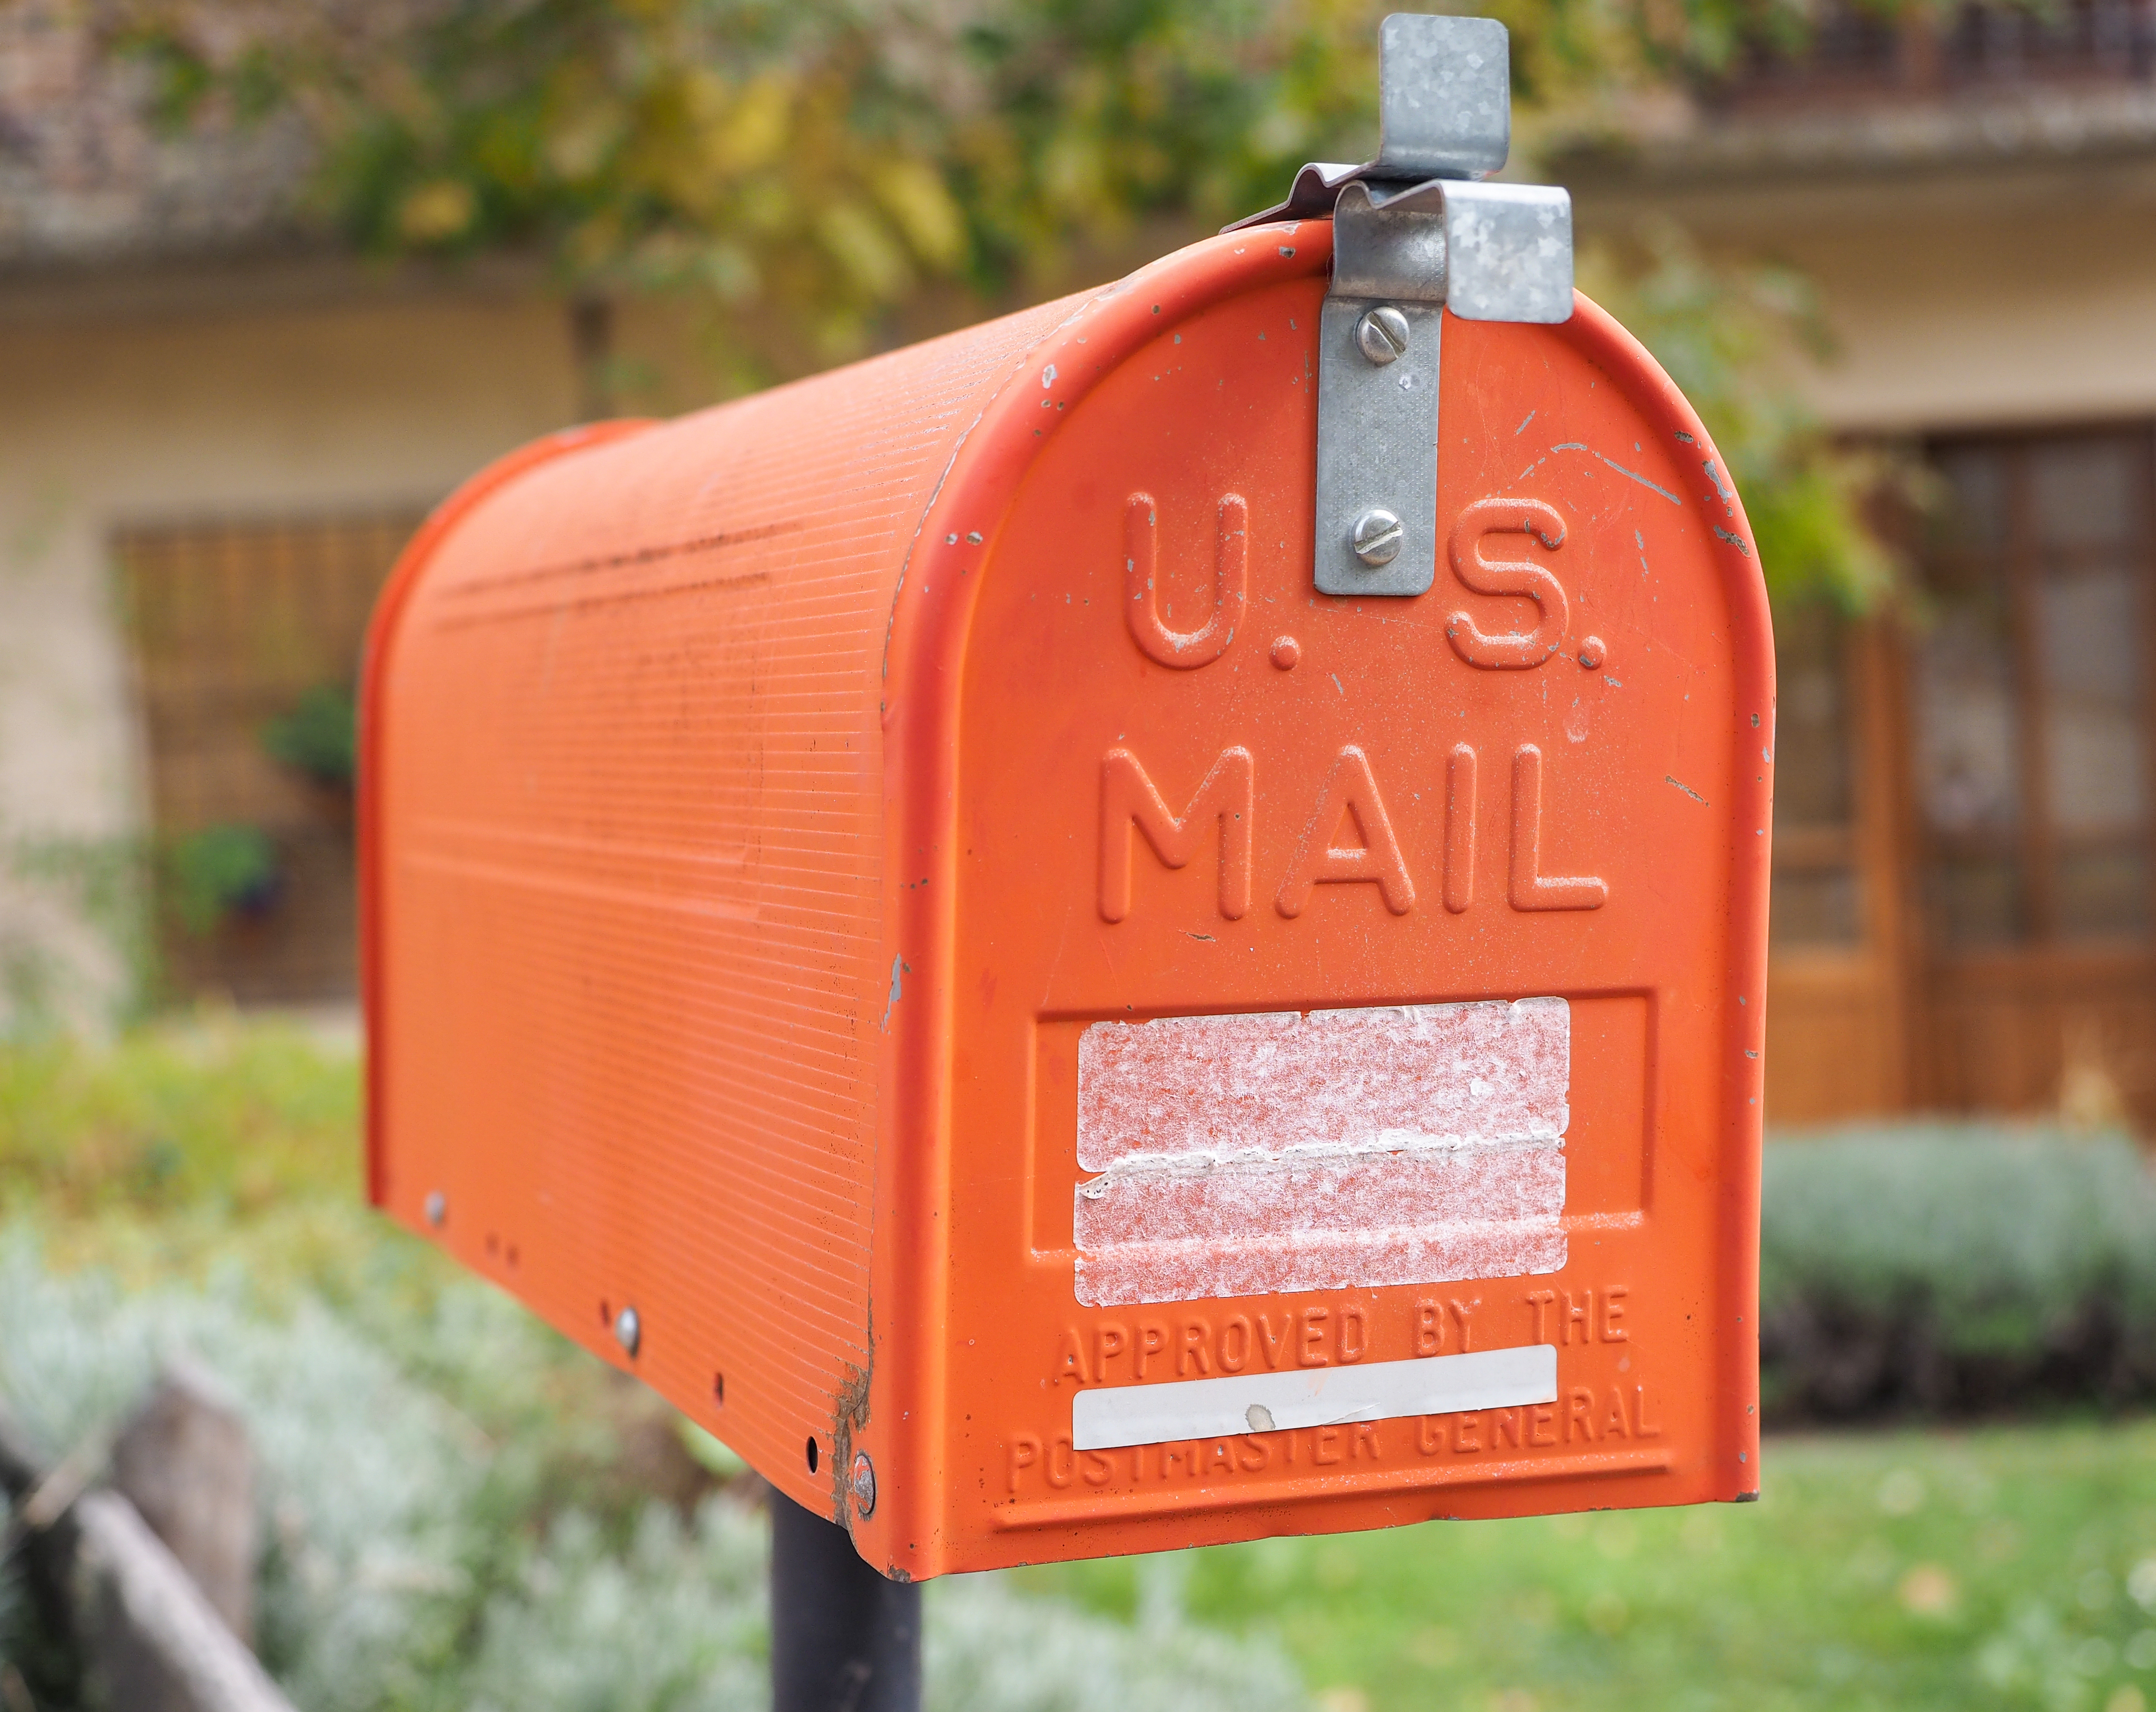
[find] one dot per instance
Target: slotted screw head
(627, 1330)
(864, 1484)
(1382, 335)
(1377, 536)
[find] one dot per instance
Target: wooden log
(152, 1641)
(186, 1463)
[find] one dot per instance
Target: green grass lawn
(2004, 1566)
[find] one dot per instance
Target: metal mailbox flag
(1140, 925)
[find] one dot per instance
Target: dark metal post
(843, 1638)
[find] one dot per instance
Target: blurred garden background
(460, 1509)
(274, 276)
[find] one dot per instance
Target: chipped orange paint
(737, 895)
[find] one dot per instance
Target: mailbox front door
(1354, 1118)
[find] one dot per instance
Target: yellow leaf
(863, 246)
(913, 194)
(436, 212)
(755, 132)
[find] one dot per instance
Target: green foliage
(1956, 1267)
(803, 172)
(457, 1503)
(677, 1618)
(377, 1496)
(822, 157)
(785, 164)
(425, 1550)
(234, 1115)
(990, 1646)
(817, 160)
(459, 1515)
(2009, 1569)
(218, 870)
(319, 737)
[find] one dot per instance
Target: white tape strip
(1114, 1416)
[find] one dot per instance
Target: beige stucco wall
(1957, 297)
(1939, 326)
(135, 415)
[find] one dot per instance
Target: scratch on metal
(1728, 493)
(1666, 780)
(899, 968)
(1737, 541)
(1634, 474)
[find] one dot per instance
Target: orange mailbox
(1140, 925)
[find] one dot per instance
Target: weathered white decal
(1256, 1154)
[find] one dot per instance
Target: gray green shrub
(416, 1560)
(1950, 1266)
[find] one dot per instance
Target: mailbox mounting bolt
(1382, 335)
(437, 1208)
(1377, 536)
(627, 1330)
(864, 1484)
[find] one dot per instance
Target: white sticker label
(1251, 1155)
(1120, 1415)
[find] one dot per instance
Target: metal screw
(864, 1484)
(1377, 536)
(627, 1330)
(1382, 335)
(438, 1207)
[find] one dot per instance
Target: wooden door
(1837, 1035)
(2031, 749)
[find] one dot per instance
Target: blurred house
(1964, 891)
(218, 427)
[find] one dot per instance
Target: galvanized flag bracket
(1415, 233)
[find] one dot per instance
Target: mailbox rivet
(1287, 651)
(627, 1330)
(1592, 652)
(438, 1207)
(1382, 335)
(1377, 536)
(864, 1484)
